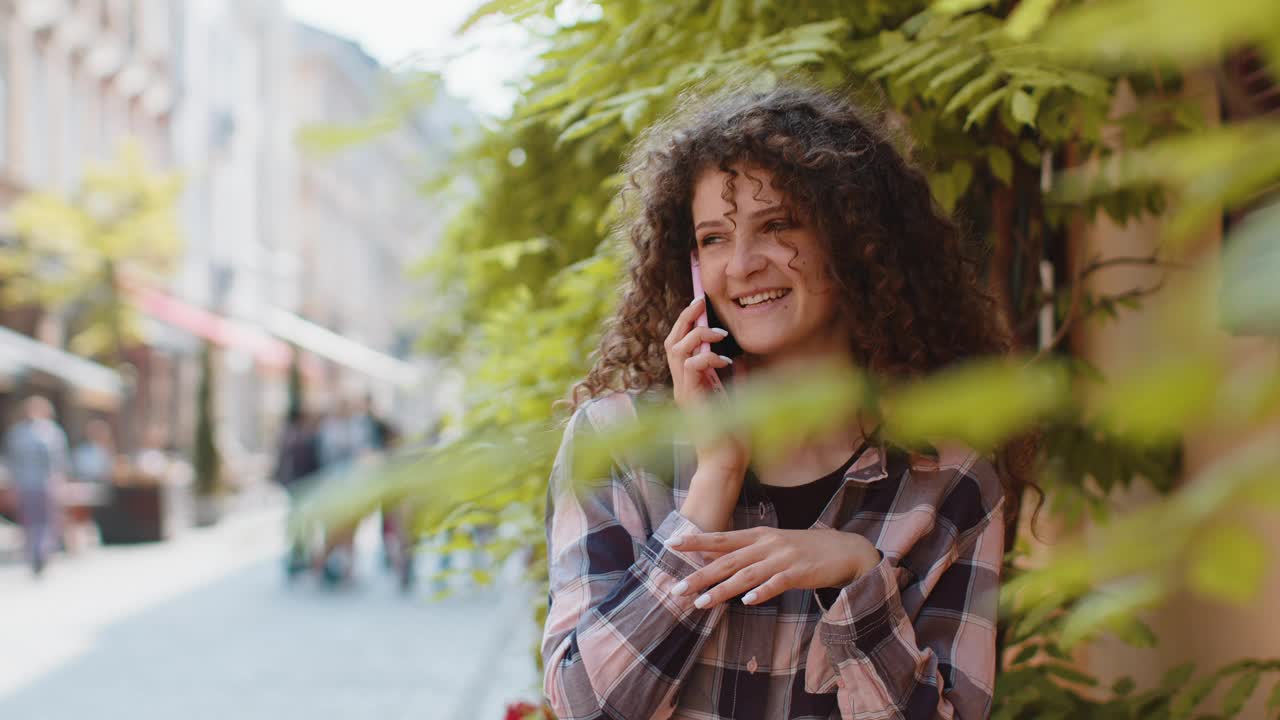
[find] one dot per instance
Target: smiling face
(764, 269)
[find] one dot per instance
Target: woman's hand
(722, 462)
(690, 378)
(765, 562)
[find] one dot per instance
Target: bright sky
(476, 67)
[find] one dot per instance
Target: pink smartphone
(710, 373)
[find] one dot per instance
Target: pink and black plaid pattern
(913, 638)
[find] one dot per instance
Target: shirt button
(752, 665)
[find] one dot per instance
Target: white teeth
(761, 297)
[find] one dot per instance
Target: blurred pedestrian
(345, 437)
(298, 459)
(36, 451)
(94, 459)
(340, 438)
(153, 461)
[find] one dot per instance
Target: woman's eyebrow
(767, 211)
(762, 212)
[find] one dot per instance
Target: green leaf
(1240, 692)
(1273, 700)
(1135, 33)
(1135, 633)
(1026, 653)
(971, 89)
(1123, 686)
(1250, 295)
(1229, 563)
(1001, 164)
(1028, 17)
(942, 406)
(1029, 153)
(1070, 674)
(633, 114)
(955, 72)
(1178, 676)
(956, 7)
(510, 8)
(1105, 609)
(1160, 401)
(794, 59)
(588, 125)
(1187, 701)
(1024, 108)
(941, 59)
(984, 107)
(728, 15)
(920, 52)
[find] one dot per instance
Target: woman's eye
(776, 226)
(711, 240)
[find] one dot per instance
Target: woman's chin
(761, 348)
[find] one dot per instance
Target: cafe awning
(328, 344)
(215, 328)
(97, 385)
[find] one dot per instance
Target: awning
(215, 328)
(97, 384)
(342, 350)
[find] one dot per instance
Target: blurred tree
(205, 459)
(80, 252)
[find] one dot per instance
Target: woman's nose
(747, 259)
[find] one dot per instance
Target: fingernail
(749, 598)
(727, 359)
(702, 601)
(681, 588)
(695, 301)
(720, 331)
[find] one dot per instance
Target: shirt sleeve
(941, 664)
(617, 642)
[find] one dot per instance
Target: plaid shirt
(912, 638)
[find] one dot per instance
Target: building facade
(77, 77)
(362, 218)
(284, 250)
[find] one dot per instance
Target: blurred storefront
(283, 250)
(76, 78)
(78, 387)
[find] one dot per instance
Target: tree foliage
(206, 460)
(77, 252)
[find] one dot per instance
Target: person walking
(346, 438)
(298, 460)
(36, 452)
(94, 459)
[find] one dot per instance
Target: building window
(4, 101)
(37, 149)
(131, 25)
(74, 124)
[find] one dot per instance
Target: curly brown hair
(908, 285)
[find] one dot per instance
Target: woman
(844, 579)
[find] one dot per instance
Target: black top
(799, 506)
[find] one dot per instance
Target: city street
(204, 626)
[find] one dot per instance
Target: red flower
(520, 710)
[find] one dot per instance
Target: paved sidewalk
(205, 626)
